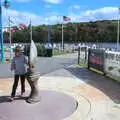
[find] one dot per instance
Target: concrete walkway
(98, 97)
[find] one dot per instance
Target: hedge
(42, 51)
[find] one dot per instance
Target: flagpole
(118, 30)
(30, 31)
(10, 37)
(62, 36)
(64, 18)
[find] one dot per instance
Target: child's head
(17, 50)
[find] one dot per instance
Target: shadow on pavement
(5, 99)
(109, 87)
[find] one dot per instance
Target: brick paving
(98, 90)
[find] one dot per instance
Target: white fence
(112, 63)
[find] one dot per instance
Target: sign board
(96, 59)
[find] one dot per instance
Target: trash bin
(49, 50)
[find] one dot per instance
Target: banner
(96, 59)
(7, 55)
(112, 63)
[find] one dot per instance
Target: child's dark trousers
(15, 84)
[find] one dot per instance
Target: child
(18, 64)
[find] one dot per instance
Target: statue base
(33, 100)
(34, 96)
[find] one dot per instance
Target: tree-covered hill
(99, 31)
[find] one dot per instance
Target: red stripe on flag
(22, 26)
(14, 29)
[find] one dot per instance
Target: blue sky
(50, 11)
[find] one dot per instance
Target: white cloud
(106, 13)
(53, 1)
(21, 17)
(24, 17)
(76, 6)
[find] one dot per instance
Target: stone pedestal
(33, 78)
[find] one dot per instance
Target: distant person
(48, 45)
(94, 46)
(54, 45)
(19, 66)
(83, 45)
(79, 45)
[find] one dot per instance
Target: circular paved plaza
(53, 106)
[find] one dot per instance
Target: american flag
(65, 18)
(14, 29)
(22, 26)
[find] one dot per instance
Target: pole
(76, 33)
(10, 37)
(48, 33)
(79, 55)
(118, 30)
(62, 37)
(1, 35)
(30, 30)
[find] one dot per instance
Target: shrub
(40, 49)
(26, 50)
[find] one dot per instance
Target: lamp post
(118, 30)
(49, 27)
(62, 37)
(31, 31)
(49, 33)
(61, 21)
(6, 5)
(1, 36)
(10, 36)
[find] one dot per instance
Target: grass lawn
(57, 52)
(83, 64)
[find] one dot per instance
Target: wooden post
(85, 54)
(88, 57)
